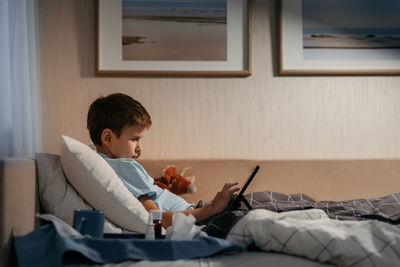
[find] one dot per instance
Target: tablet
(234, 203)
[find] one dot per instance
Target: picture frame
(109, 60)
(303, 52)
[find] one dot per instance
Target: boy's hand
(222, 198)
(218, 204)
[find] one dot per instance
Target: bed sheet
(253, 259)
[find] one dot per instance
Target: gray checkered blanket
(360, 232)
(386, 209)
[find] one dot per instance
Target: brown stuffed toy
(176, 183)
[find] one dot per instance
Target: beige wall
(263, 116)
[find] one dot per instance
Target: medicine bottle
(150, 228)
(157, 217)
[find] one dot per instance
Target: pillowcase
(96, 181)
(56, 196)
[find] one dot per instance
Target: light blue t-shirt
(139, 183)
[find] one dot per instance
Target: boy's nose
(139, 147)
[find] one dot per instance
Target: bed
(333, 180)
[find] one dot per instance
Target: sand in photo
(161, 31)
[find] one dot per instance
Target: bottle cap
(156, 215)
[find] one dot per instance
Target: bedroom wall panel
(263, 116)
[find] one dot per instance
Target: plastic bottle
(150, 228)
(157, 226)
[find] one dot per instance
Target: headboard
(18, 202)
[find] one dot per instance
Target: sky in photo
(351, 14)
(175, 3)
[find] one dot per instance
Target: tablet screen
(235, 203)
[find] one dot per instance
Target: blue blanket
(45, 247)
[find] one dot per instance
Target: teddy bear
(176, 183)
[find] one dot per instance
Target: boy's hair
(115, 112)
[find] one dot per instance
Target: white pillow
(56, 196)
(96, 181)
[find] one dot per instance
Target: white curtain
(20, 134)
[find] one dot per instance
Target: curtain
(20, 125)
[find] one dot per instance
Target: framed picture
(208, 38)
(341, 37)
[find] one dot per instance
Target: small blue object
(89, 222)
(45, 247)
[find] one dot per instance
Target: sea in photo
(351, 38)
(174, 30)
(355, 44)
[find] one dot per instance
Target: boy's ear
(106, 137)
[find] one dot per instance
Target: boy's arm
(217, 205)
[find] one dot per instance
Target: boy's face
(128, 145)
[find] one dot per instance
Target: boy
(116, 124)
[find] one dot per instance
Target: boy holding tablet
(116, 125)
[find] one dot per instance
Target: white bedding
(312, 234)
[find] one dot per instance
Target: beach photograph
(174, 30)
(351, 28)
